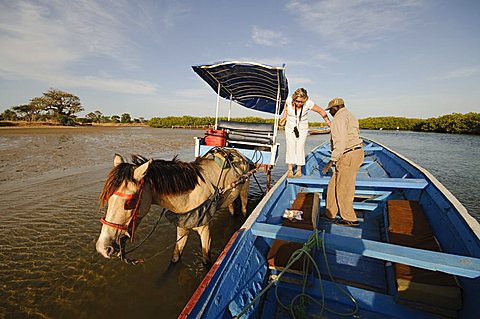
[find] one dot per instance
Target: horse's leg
(204, 232)
(182, 235)
(231, 208)
(244, 196)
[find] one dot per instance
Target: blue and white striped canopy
(249, 84)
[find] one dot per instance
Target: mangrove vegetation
(452, 123)
(61, 108)
(468, 123)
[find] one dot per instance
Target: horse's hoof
(175, 259)
(206, 259)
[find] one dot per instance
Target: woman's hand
(282, 121)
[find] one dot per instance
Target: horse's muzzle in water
(112, 248)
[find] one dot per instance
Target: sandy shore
(32, 151)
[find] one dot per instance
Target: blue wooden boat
(416, 253)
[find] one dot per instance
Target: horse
(191, 192)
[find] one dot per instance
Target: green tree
(31, 110)
(62, 103)
(9, 115)
(115, 118)
(126, 118)
(96, 116)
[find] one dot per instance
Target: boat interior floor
(343, 276)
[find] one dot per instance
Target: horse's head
(129, 199)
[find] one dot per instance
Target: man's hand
(327, 167)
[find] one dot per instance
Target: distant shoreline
(24, 125)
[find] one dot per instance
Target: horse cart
(252, 85)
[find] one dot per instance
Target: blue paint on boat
(360, 260)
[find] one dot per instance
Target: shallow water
(50, 180)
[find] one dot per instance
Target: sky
(411, 58)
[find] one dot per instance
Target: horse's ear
(140, 171)
(117, 160)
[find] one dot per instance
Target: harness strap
(127, 196)
(133, 219)
(135, 212)
(114, 225)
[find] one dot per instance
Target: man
(347, 154)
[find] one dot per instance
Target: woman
(295, 119)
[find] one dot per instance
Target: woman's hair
(300, 92)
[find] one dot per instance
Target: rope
(123, 254)
(258, 184)
(148, 236)
(294, 307)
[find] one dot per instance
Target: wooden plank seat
(423, 289)
(247, 132)
(282, 250)
(403, 183)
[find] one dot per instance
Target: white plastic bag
(293, 215)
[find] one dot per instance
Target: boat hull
(358, 268)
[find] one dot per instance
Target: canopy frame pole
(218, 104)
(277, 109)
(230, 107)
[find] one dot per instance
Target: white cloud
(51, 40)
(458, 73)
(295, 81)
(128, 86)
(353, 24)
(268, 37)
(205, 92)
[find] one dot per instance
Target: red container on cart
(216, 137)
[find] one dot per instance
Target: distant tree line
(191, 121)
(452, 123)
(468, 123)
(53, 105)
(99, 117)
(60, 107)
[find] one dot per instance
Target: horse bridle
(130, 226)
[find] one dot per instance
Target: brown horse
(191, 192)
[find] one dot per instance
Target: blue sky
(409, 58)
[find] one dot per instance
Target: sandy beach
(30, 151)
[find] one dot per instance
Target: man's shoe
(328, 219)
(348, 223)
(290, 174)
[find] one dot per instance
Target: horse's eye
(131, 203)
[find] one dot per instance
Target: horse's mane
(165, 177)
(121, 173)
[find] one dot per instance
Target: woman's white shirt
(296, 120)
